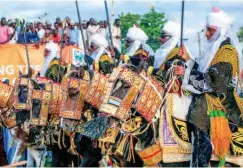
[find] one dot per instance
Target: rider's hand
(183, 53)
(179, 70)
(112, 53)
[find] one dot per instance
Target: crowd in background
(65, 31)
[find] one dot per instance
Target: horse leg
(38, 156)
(3, 156)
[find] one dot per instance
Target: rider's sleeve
(194, 81)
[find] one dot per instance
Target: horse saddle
(56, 96)
(5, 94)
(73, 90)
(150, 99)
(123, 87)
(97, 90)
(22, 93)
(40, 101)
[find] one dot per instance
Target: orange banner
(13, 59)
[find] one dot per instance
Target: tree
(127, 21)
(240, 34)
(152, 23)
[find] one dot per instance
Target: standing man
(216, 108)
(74, 35)
(5, 32)
(14, 34)
(92, 28)
(40, 30)
(116, 34)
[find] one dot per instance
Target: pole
(108, 21)
(81, 29)
(112, 12)
(199, 43)
(182, 20)
(26, 49)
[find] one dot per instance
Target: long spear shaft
(81, 29)
(26, 50)
(109, 24)
(182, 20)
(109, 27)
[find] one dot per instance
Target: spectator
(13, 28)
(58, 28)
(40, 30)
(32, 35)
(49, 27)
(116, 34)
(68, 21)
(66, 40)
(47, 37)
(35, 25)
(56, 37)
(102, 29)
(44, 26)
(5, 32)
(74, 35)
(93, 28)
(58, 21)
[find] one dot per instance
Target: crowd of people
(65, 31)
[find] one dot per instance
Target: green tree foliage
(150, 22)
(127, 21)
(240, 34)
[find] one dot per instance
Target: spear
(182, 20)
(81, 29)
(26, 48)
(109, 27)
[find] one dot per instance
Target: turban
(137, 34)
(99, 40)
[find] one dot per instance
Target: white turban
(138, 36)
(102, 43)
(173, 29)
(223, 23)
(99, 40)
(218, 18)
(53, 49)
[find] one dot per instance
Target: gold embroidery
(141, 51)
(172, 54)
(213, 104)
(182, 128)
(186, 146)
(149, 101)
(237, 143)
(228, 54)
(5, 93)
(44, 96)
(105, 57)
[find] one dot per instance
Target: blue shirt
(74, 36)
(30, 38)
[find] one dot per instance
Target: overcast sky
(195, 11)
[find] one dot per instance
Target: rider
(216, 107)
(51, 67)
(137, 51)
(103, 61)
